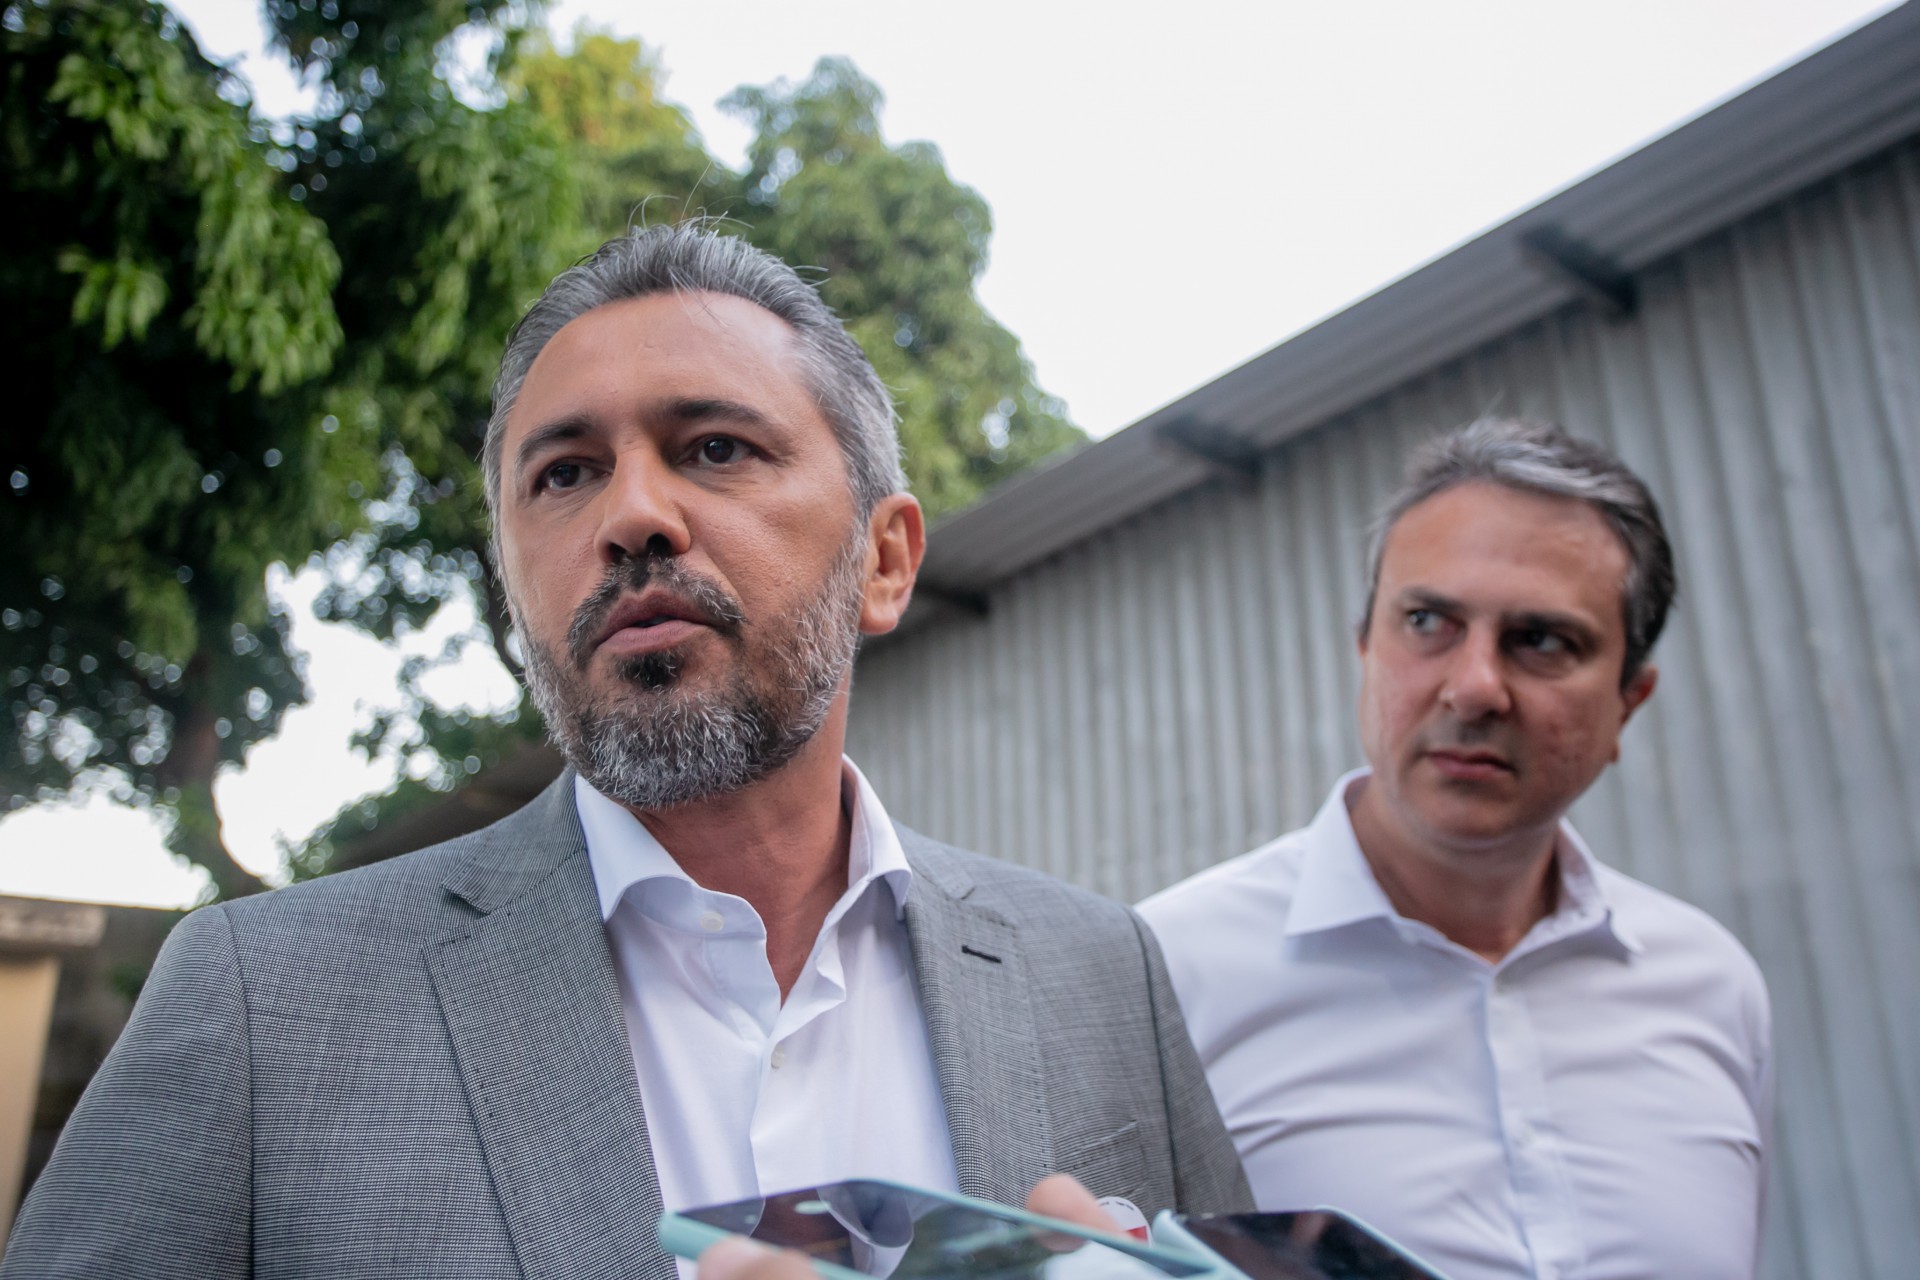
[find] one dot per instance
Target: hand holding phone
(1317, 1244)
(737, 1258)
(859, 1230)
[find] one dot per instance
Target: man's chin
(1464, 824)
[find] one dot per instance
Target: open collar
(623, 853)
(1338, 888)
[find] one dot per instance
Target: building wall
(1180, 688)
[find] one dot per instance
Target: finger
(1060, 1196)
(737, 1258)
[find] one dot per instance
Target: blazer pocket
(1112, 1166)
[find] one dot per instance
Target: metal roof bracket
(1594, 276)
(1228, 454)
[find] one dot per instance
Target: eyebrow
(547, 434)
(681, 409)
(1421, 598)
(1548, 621)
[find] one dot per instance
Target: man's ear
(1636, 692)
(896, 542)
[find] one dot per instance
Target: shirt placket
(1541, 1191)
(787, 1107)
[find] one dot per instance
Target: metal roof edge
(1849, 99)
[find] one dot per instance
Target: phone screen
(882, 1230)
(1316, 1245)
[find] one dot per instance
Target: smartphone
(1318, 1244)
(863, 1228)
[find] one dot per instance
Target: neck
(1484, 899)
(780, 843)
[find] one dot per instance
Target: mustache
(703, 598)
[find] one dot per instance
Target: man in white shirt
(1432, 1007)
(703, 965)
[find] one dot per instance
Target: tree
(168, 307)
(635, 155)
(247, 342)
(209, 391)
(899, 244)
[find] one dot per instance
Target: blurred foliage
(169, 316)
(900, 245)
(446, 748)
(636, 156)
(251, 341)
(209, 391)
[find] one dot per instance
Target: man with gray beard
(704, 965)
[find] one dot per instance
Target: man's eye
(561, 475)
(1546, 643)
(1422, 622)
(721, 449)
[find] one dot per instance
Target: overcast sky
(1175, 188)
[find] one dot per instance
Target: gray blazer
(421, 1069)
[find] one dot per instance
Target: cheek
(544, 588)
(1392, 705)
(1575, 741)
(1381, 719)
(780, 551)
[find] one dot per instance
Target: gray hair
(1538, 457)
(693, 257)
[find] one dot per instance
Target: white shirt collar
(1337, 887)
(623, 853)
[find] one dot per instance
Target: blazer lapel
(535, 1016)
(980, 1026)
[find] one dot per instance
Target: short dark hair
(1540, 457)
(694, 257)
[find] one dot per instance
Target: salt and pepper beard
(653, 744)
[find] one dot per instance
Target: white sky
(1175, 188)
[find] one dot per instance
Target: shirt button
(779, 1057)
(711, 921)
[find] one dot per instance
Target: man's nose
(1476, 684)
(642, 511)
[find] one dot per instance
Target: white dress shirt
(1593, 1107)
(746, 1094)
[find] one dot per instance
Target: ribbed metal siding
(1180, 688)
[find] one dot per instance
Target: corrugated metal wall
(1180, 689)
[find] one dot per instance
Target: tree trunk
(193, 758)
